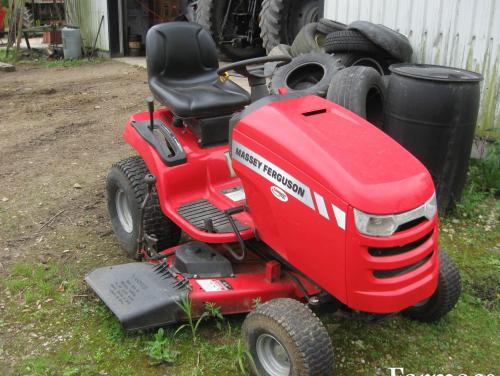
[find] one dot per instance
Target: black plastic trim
(392, 251)
(173, 156)
(382, 274)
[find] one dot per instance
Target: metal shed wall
(87, 14)
(458, 33)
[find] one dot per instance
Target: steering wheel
(241, 67)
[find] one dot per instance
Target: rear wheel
(285, 338)
(126, 191)
(445, 297)
(211, 14)
(281, 20)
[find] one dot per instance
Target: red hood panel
(343, 152)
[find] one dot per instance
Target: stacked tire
(345, 63)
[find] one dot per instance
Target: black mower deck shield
(138, 294)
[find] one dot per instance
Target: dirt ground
(60, 131)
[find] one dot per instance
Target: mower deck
(140, 296)
(147, 295)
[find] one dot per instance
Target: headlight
(386, 225)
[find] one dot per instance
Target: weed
(99, 355)
(243, 357)
(187, 307)
(256, 303)
(483, 181)
(10, 58)
(214, 311)
(160, 349)
(485, 172)
(71, 371)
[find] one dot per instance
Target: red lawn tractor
(288, 202)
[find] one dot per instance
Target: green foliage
(187, 307)
(483, 182)
(71, 371)
(10, 58)
(160, 349)
(214, 311)
(485, 173)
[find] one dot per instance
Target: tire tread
(155, 222)
(304, 327)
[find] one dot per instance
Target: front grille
(400, 271)
(413, 223)
(392, 251)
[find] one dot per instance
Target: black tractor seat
(182, 72)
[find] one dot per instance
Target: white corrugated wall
(87, 15)
(458, 33)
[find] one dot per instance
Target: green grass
(84, 338)
(43, 61)
(4, 58)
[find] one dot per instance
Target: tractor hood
(344, 153)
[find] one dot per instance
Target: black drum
(432, 111)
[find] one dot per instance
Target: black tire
(127, 176)
(446, 295)
(307, 40)
(351, 41)
(297, 329)
(281, 20)
(309, 73)
(360, 90)
(347, 59)
(210, 15)
(326, 26)
(393, 43)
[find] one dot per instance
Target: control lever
(229, 213)
(142, 240)
(151, 108)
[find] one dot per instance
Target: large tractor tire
(281, 20)
(126, 191)
(210, 14)
(285, 337)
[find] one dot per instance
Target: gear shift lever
(151, 107)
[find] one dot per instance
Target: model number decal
(273, 173)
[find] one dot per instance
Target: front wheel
(445, 297)
(285, 338)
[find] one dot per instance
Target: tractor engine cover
(305, 163)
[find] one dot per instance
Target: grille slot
(409, 225)
(382, 274)
(392, 251)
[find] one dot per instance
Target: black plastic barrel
(432, 111)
